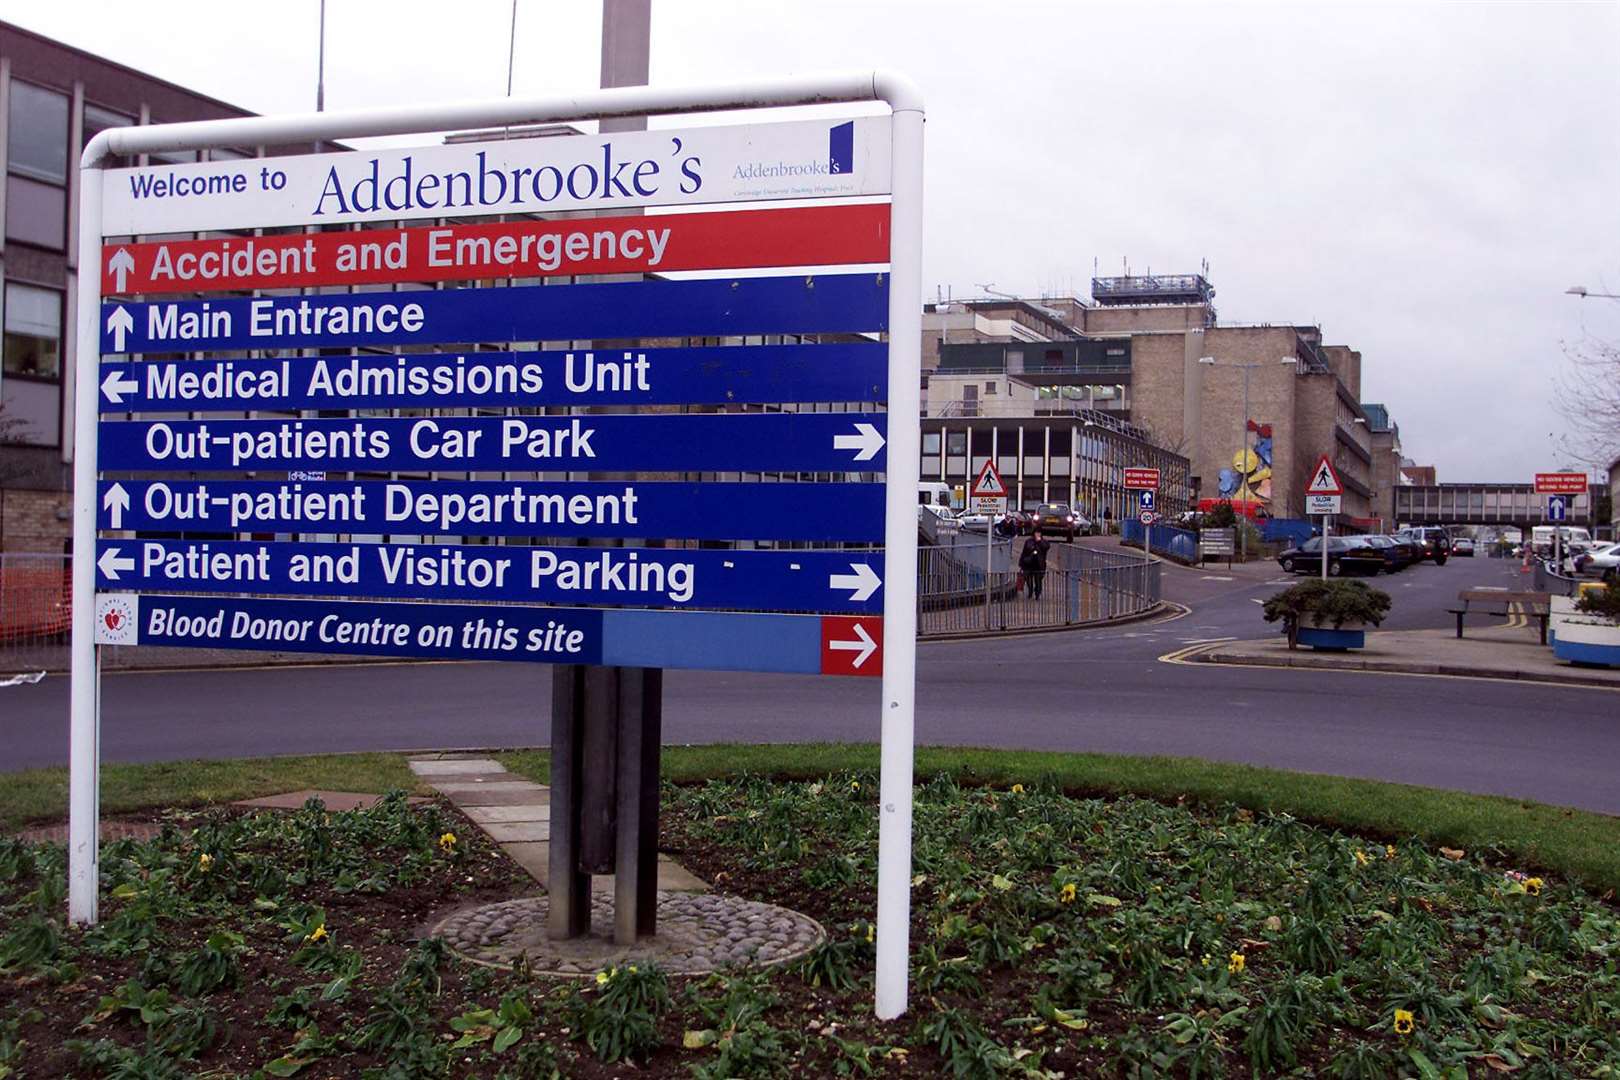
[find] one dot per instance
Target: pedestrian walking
(1032, 562)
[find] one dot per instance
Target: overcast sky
(1424, 180)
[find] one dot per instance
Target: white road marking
(1214, 577)
(1205, 640)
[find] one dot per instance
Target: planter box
(1350, 636)
(1559, 609)
(1585, 639)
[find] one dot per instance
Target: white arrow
(121, 263)
(866, 444)
(115, 502)
(866, 646)
(115, 386)
(864, 581)
(120, 322)
(111, 564)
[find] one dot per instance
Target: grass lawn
(42, 794)
(1573, 843)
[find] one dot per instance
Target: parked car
(1602, 561)
(1346, 554)
(1060, 519)
(1397, 556)
(1433, 541)
(1462, 546)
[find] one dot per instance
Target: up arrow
(111, 564)
(119, 323)
(866, 443)
(121, 263)
(116, 385)
(865, 647)
(864, 581)
(115, 502)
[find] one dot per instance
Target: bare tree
(1587, 392)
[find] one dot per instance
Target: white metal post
(989, 549)
(900, 553)
(1324, 547)
(1243, 481)
(84, 687)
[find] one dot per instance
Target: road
(1099, 690)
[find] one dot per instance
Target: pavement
(516, 814)
(1507, 652)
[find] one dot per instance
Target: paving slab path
(516, 815)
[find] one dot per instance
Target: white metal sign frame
(904, 434)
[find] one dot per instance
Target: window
(37, 135)
(97, 120)
(37, 160)
(990, 388)
(33, 332)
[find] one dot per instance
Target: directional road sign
(847, 581)
(1147, 499)
(711, 442)
(713, 640)
(498, 508)
(804, 236)
(852, 371)
(1324, 479)
(835, 303)
(1557, 508)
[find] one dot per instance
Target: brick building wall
(36, 522)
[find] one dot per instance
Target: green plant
(617, 1016)
(501, 1027)
(1333, 602)
(1604, 602)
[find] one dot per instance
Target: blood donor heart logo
(118, 620)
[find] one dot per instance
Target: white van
(1541, 538)
(934, 494)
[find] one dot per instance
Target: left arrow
(111, 564)
(864, 648)
(115, 502)
(119, 323)
(867, 441)
(116, 385)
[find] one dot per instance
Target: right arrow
(863, 582)
(116, 385)
(111, 564)
(866, 646)
(115, 502)
(119, 323)
(866, 444)
(121, 263)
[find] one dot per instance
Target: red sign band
(807, 236)
(1553, 483)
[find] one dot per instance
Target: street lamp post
(1583, 292)
(1243, 436)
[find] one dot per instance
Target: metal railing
(956, 595)
(1548, 580)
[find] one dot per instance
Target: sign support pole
(900, 550)
(84, 694)
(1324, 547)
(989, 548)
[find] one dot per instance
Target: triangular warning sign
(988, 485)
(1324, 481)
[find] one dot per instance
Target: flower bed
(1052, 935)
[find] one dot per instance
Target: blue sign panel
(805, 512)
(1148, 499)
(849, 581)
(707, 442)
(851, 372)
(715, 307)
(1557, 508)
(677, 639)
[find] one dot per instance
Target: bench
(1533, 604)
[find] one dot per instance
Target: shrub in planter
(1590, 634)
(1336, 603)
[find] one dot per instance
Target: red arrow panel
(653, 243)
(851, 645)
